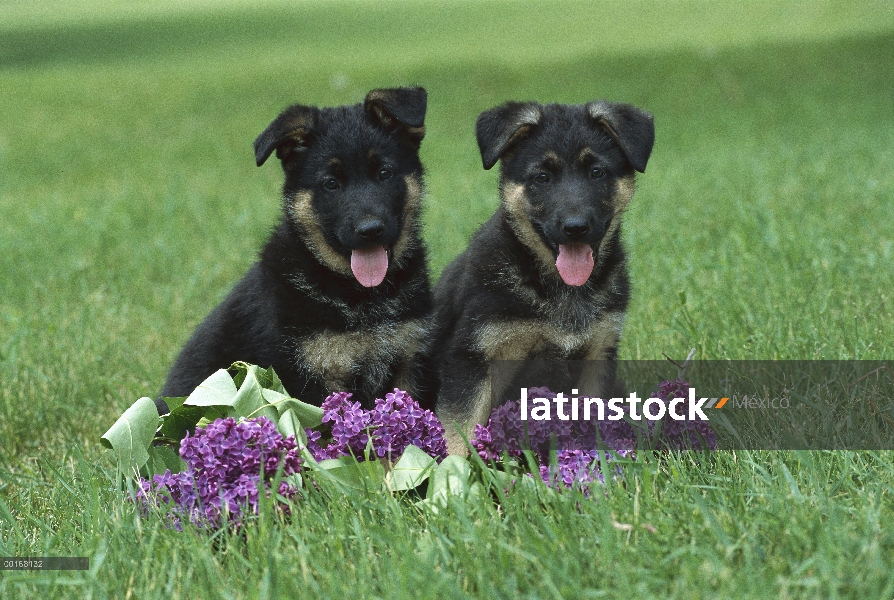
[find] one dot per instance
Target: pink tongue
(370, 265)
(575, 263)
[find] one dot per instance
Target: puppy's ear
(399, 109)
(288, 134)
(632, 128)
(498, 128)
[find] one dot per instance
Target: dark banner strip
(754, 405)
(45, 563)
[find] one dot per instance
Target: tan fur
(416, 132)
(335, 356)
(304, 215)
(620, 201)
(523, 338)
(457, 426)
(516, 202)
(553, 159)
(585, 155)
(411, 208)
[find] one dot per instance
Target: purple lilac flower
(399, 422)
(573, 469)
(350, 425)
(395, 422)
(228, 463)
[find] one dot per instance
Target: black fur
(566, 175)
(352, 180)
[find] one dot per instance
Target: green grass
(129, 204)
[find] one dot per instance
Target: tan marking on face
(552, 159)
(513, 197)
(416, 132)
(586, 154)
(337, 356)
(624, 190)
(304, 215)
(372, 154)
(411, 211)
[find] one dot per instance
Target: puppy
(545, 277)
(340, 298)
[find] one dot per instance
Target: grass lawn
(763, 228)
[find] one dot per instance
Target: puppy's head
(352, 178)
(566, 175)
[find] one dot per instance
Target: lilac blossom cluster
(395, 422)
(577, 443)
(573, 468)
(228, 465)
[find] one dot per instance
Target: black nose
(576, 228)
(370, 229)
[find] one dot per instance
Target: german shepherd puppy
(340, 298)
(545, 277)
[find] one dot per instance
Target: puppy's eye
(597, 173)
(542, 178)
(385, 174)
(331, 184)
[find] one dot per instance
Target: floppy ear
(632, 128)
(399, 109)
(287, 134)
(498, 128)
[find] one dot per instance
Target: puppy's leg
(464, 400)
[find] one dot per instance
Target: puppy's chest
(532, 338)
(339, 356)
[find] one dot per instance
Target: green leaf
(414, 467)
(213, 413)
(270, 381)
(310, 415)
(132, 434)
(249, 400)
(290, 424)
(267, 378)
(451, 478)
(181, 419)
(352, 476)
(175, 402)
(217, 390)
(163, 458)
(273, 397)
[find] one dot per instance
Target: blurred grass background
(130, 203)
